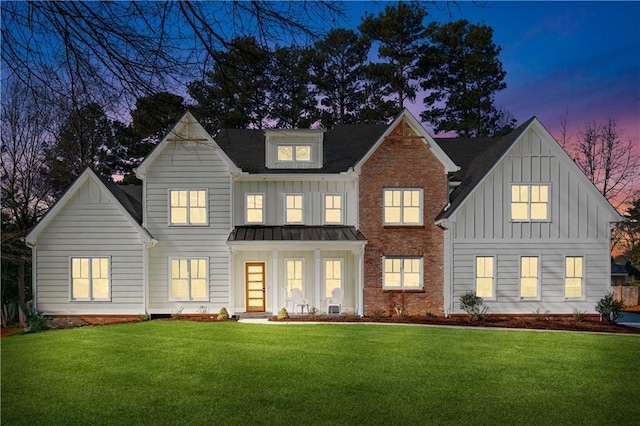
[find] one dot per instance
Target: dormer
(294, 149)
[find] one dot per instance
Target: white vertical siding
(89, 225)
(188, 165)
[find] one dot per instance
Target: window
(254, 208)
(90, 278)
(529, 274)
(294, 273)
(189, 279)
(332, 208)
(529, 202)
(402, 273)
(293, 208)
(188, 207)
(332, 276)
(573, 277)
(485, 275)
(298, 153)
(403, 206)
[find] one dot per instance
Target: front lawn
(182, 372)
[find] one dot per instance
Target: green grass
(174, 372)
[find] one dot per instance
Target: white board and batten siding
(89, 225)
(579, 225)
(188, 165)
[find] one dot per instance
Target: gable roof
(342, 147)
(125, 201)
(186, 129)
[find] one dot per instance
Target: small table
(302, 305)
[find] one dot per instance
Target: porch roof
(296, 233)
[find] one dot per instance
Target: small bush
(203, 311)
(223, 314)
(378, 313)
(401, 312)
(428, 314)
(175, 313)
(578, 315)
(472, 305)
(539, 316)
(609, 308)
(283, 314)
(34, 318)
(313, 311)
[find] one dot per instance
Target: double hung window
(189, 279)
(90, 278)
(188, 207)
(402, 273)
(402, 206)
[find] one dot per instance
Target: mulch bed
(566, 323)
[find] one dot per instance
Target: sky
(578, 57)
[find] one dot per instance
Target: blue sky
(583, 57)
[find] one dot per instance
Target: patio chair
(334, 304)
(299, 300)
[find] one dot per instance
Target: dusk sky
(583, 57)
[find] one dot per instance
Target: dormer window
(294, 149)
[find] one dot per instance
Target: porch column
(232, 304)
(275, 285)
(360, 282)
(318, 278)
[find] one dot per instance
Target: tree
(630, 233)
(338, 75)
(400, 32)
(291, 98)
(461, 69)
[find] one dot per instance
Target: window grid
(333, 208)
(254, 208)
(294, 211)
(90, 278)
(188, 207)
(573, 277)
(189, 279)
(402, 206)
(529, 202)
(402, 273)
(294, 153)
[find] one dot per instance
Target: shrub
(472, 305)
(203, 311)
(428, 314)
(578, 315)
(34, 318)
(175, 313)
(223, 314)
(539, 316)
(313, 311)
(283, 314)
(401, 312)
(609, 308)
(378, 312)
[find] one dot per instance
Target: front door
(254, 277)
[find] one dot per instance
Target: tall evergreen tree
(338, 74)
(400, 32)
(461, 69)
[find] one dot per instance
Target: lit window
(332, 276)
(402, 273)
(254, 205)
(293, 208)
(485, 277)
(529, 202)
(573, 277)
(90, 278)
(333, 208)
(294, 271)
(529, 274)
(189, 279)
(402, 206)
(188, 207)
(294, 153)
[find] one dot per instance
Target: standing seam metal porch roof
(296, 233)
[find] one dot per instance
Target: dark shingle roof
(296, 233)
(475, 161)
(343, 147)
(130, 196)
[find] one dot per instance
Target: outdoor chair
(334, 304)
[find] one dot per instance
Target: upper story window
(402, 206)
(293, 208)
(294, 149)
(254, 205)
(90, 278)
(188, 207)
(333, 209)
(529, 202)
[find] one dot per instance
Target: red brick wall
(403, 160)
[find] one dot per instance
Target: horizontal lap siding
(188, 166)
(89, 225)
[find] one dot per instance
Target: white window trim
(171, 298)
(528, 219)
(583, 292)
(286, 274)
(538, 297)
(324, 208)
(494, 291)
(421, 207)
(90, 299)
(302, 222)
(402, 287)
(246, 208)
(324, 275)
(188, 224)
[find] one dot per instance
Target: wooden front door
(254, 277)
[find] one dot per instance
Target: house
(360, 219)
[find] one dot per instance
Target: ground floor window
(189, 279)
(573, 277)
(294, 269)
(529, 277)
(485, 277)
(90, 278)
(402, 273)
(332, 276)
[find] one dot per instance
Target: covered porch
(300, 268)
